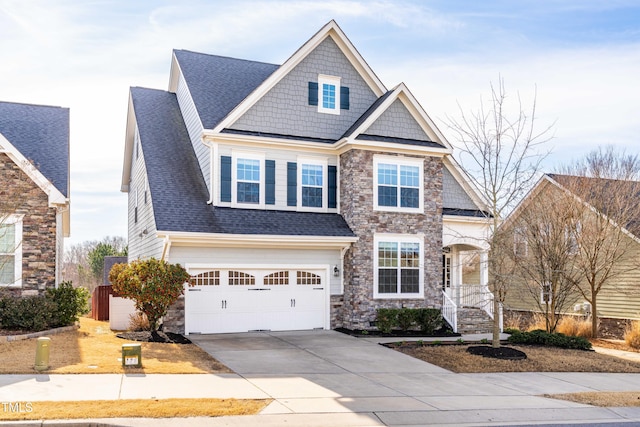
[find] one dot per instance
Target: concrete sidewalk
(324, 378)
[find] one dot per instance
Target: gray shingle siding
(285, 109)
(397, 122)
(41, 134)
(453, 195)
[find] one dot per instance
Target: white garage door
(245, 299)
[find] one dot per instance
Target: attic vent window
(328, 95)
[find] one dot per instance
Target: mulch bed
(158, 336)
(505, 353)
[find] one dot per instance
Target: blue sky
(582, 56)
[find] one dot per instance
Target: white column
(484, 268)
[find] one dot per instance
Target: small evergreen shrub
(386, 319)
(428, 319)
(57, 307)
(33, 313)
(405, 318)
(70, 303)
(540, 337)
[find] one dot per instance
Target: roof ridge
(225, 57)
(29, 104)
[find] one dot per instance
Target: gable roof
(40, 134)
(218, 84)
(595, 188)
(179, 193)
(332, 30)
(402, 94)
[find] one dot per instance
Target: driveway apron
(326, 372)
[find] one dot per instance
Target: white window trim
(235, 155)
(399, 238)
(325, 183)
(332, 80)
(399, 161)
(17, 221)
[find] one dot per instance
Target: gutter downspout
(166, 248)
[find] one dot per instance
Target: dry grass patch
(604, 399)
(160, 408)
(94, 348)
(539, 359)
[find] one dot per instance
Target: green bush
(57, 307)
(70, 303)
(428, 319)
(386, 319)
(33, 313)
(540, 337)
(406, 318)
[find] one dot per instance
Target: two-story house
(298, 196)
(34, 196)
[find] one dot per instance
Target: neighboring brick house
(34, 198)
(303, 195)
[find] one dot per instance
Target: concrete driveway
(336, 379)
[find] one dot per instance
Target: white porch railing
(478, 296)
(450, 311)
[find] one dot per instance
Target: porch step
(474, 321)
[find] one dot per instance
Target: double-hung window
(312, 176)
(248, 179)
(399, 270)
(398, 184)
(10, 251)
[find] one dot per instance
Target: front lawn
(94, 348)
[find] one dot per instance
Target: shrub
(153, 284)
(428, 319)
(632, 334)
(33, 313)
(70, 303)
(540, 337)
(386, 319)
(405, 318)
(57, 307)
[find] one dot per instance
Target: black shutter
(270, 181)
(225, 178)
(333, 187)
(313, 93)
(292, 184)
(344, 98)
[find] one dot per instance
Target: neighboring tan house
(34, 198)
(298, 196)
(618, 299)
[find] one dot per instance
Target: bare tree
(606, 181)
(502, 149)
(84, 262)
(546, 251)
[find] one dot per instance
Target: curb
(10, 338)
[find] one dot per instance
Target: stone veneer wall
(38, 227)
(173, 321)
(358, 309)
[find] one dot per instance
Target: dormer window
(328, 95)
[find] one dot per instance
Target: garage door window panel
(208, 278)
(240, 278)
(277, 278)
